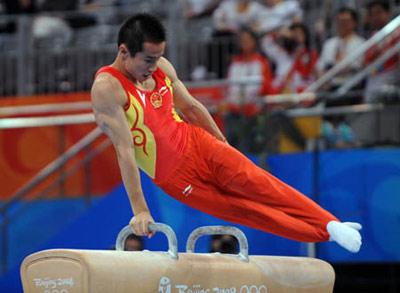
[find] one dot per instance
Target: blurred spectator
(334, 129)
(133, 243)
(330, 9)
(199, 8)
(75, 20)
(224, 244)
(337, 48)
(13, 7)
(250, 77)
(299, 70)
(279, 13)
(231, 15)
(248, 64)
(336, 5)
(59, 5)
(58, 30)
(294, 71)
(228, 18)
(276, 46)
(51, 32)
(19, 6)
(388, 74)
(288, 49)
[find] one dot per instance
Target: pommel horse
(105, 271)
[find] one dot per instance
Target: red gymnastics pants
(215, 178)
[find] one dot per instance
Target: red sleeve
(309, 68)
(266, 87)
(371, 55)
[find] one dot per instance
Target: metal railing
(313, 91)
(45, 108)
(349, 59)
(36, 65)
(349, 84)
(66, 60)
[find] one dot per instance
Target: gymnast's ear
(123, 50)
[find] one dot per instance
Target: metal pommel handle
(213, 230)
(153, 227)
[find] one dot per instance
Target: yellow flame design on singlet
(168, 83)
(143, 138)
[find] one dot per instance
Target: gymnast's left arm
(193, 111)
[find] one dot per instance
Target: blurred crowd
(272, 47)
(264, 47)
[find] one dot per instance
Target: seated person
(224, 244)
(231, 15)
(295, 75)
(249, 78)
(387, 74)
(133, 243)
(337, 48)
(335, 130)
(228, 18)
(279, 13)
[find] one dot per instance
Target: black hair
(134, 237)
(383, 4)
(306, 32)
(140, 28)
(226, 244)
(252, 33)
(350, 11)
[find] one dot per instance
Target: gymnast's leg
(281, 204)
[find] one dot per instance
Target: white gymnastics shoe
(345, 234)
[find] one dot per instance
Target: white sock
(345, 234)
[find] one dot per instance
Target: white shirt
(385, 75)
(377, 82)
(283, 61)
(198, 6)
(227, 16)
(337, 46)
(282, 14)
(243, 72)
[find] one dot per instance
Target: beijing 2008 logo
(165, 286)
(253, 289)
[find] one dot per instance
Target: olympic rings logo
(253, 289)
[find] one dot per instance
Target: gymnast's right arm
(108, 100)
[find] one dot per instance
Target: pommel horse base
(101, 271)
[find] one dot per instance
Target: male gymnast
(186, 155)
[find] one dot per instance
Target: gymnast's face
(141, 66)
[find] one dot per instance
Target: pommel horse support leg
(100, 271)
